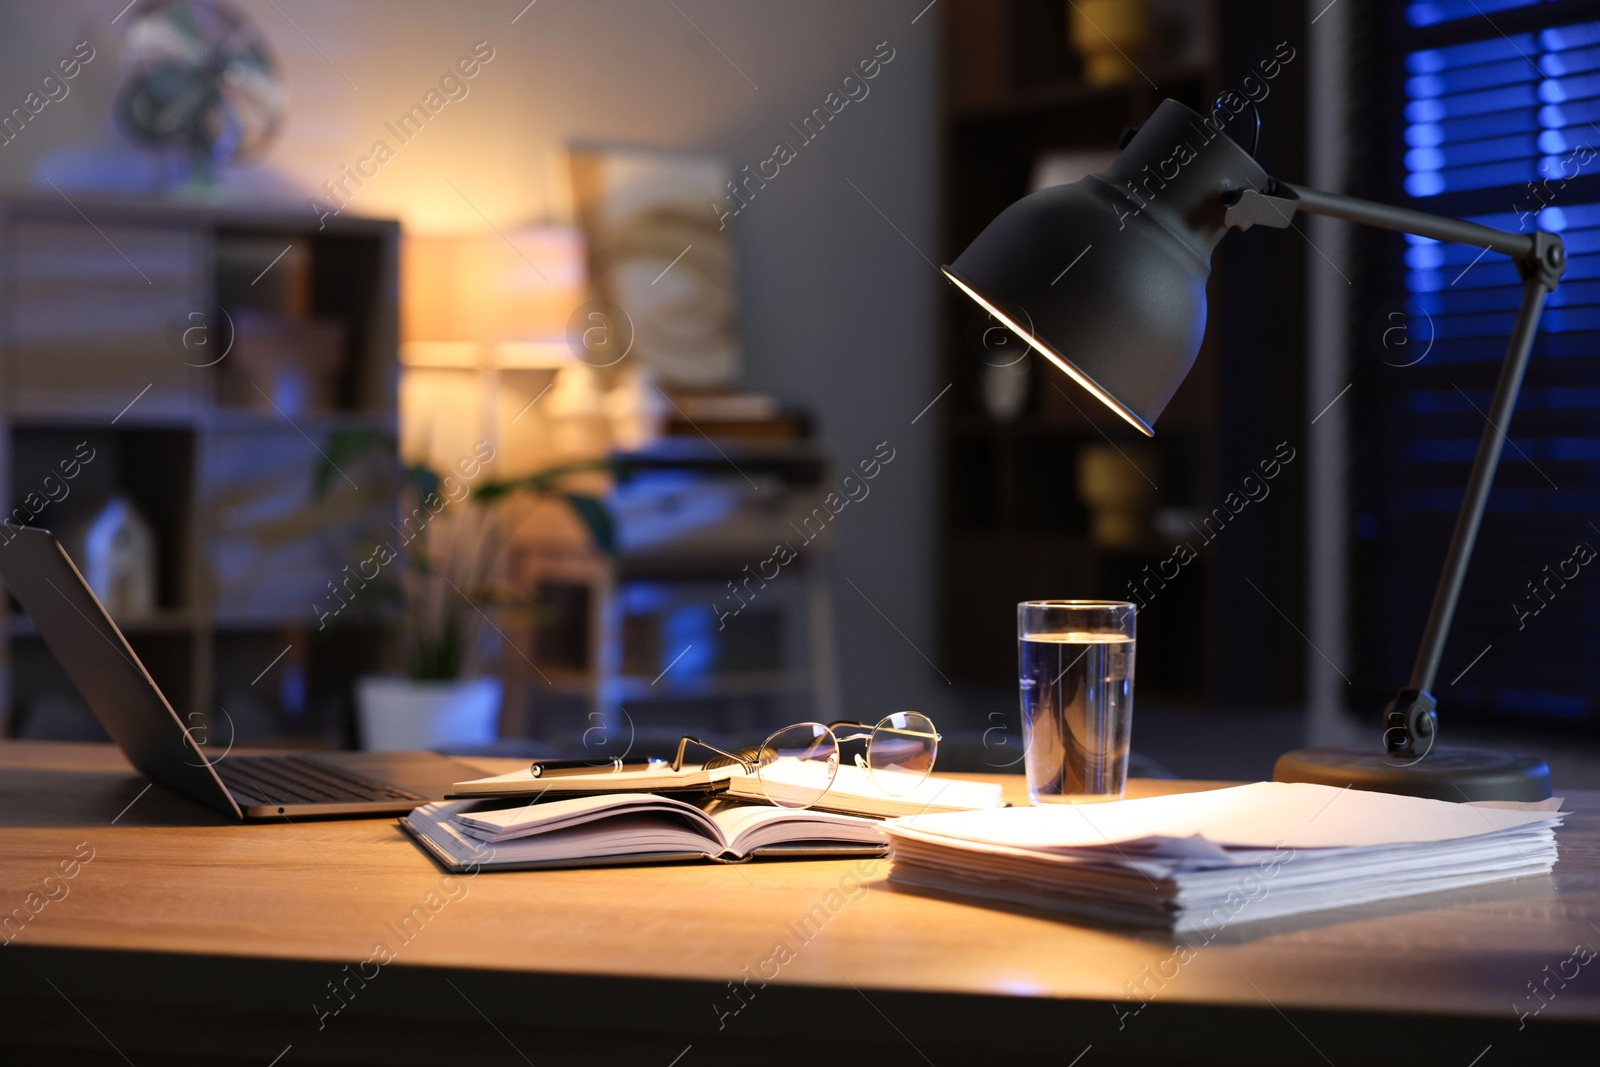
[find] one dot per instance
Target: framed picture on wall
(660, 254)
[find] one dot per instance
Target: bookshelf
(1014, 525)
(201, 357)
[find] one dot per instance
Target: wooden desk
(191, 940)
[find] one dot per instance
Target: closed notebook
(858, 792)
(795, 783)
(595, 831)
(657, 778)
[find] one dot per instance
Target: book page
(635, 833)
(1263, 815)
(590, 813)
(751, 826)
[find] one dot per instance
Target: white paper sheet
(1262, 815)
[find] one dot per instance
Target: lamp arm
(1519, 246)
(1410, 722)
(1476, 498)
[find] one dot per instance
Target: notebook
(1202, 861)
(854, 791)
(657, 778)
(624, 828)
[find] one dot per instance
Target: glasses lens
(901, 752)
(798, 764)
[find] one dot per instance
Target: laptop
(131, 707)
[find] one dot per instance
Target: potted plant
(444, 697)
(438, 573)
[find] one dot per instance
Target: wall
(837, 306)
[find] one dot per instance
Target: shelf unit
(641, 649)
(1013, 526)
(203, 356)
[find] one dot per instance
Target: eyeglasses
(797, 765)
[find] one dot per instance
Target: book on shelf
(853, 790)
(1201, 861)
(631, 828)
(737, 415)
(728, 407)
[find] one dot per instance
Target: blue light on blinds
(1496, 115)
(1500, 125)
(1557, 38)
(1431, 12)
(1470, 298)
(1502, 111)
(1555, 705)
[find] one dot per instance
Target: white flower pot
(400, 713)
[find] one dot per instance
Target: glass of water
(1075, 675)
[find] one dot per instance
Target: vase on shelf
(1106, 33)
(117, 551)
(1114, 483)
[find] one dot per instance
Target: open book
(793, 782)
(594, 831)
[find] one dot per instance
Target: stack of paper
(1207, 860)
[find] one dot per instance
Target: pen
(556, 768)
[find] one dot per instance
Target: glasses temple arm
(835, 726)
(685, 741)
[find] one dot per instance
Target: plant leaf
(597, 517)
(345, 447)
(423, 479)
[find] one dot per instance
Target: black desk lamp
(1126, 322)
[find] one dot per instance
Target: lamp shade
(512, 285)
(1106, 277)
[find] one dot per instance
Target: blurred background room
(555, 378)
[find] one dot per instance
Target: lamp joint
(1410, 722)
(1244, 208)
(1545, 261)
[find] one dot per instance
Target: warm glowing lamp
(1106, 279)
(501, 287)
(474, 310)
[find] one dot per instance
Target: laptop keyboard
(298, 780)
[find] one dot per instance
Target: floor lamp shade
(1106, 277)
(519, 284)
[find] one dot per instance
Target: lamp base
(1444, 774)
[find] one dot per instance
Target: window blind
(1500, 123)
